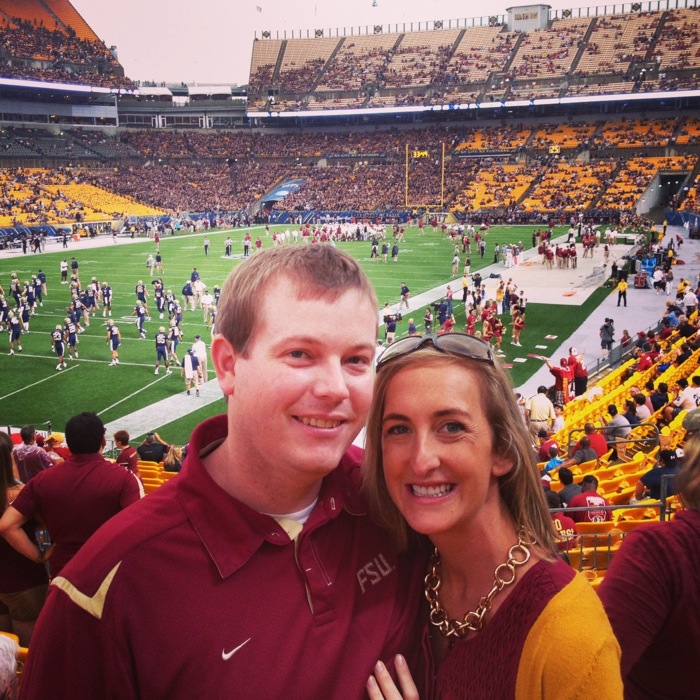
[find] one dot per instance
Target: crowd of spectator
(33, 51)
(508, 172)
(482, 63)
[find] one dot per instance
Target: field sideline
(33, 391)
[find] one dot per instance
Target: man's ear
(224, 358)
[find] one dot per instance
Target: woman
(447, 456)
(652, 597)
(23, 583)
(173, 459)
(631, 412)
(518, 327)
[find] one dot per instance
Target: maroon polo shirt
(74, 498)
(190, 593)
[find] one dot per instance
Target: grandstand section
(470, 64)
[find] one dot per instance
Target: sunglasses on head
(460, 344)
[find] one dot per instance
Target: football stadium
(530, 179)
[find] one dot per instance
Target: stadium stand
(51, 42)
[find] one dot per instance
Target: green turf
(32, 390)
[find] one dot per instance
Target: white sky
(211, 41)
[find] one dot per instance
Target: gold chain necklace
(473, 621)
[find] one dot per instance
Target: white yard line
(41, 381)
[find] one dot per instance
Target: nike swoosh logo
(226, 655)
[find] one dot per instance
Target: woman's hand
(381, 686)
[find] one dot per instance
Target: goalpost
(416, 154)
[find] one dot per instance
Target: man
(590, 498)
(58, 347)
(570, 489)
(585, 453)
(128, 457)
(114, 340)
(659, 397)
(228, 245)
(607, 335)
(140, 313)
(596, 441)
(70, 333)
(15, 332)
(190, 372)
(29, 457)
(206, 302)
(73, 499)
(545, 442)
(618, 428)
(563, 380)
(649, 485)
(106, 294)
(188, 295)
(206, 245)
(575, 361)
(152, 449)
(539, 411)
(304, 585)
(162, 351)
(199, 349)
(405, 293)
(684, 400)
(622, 292)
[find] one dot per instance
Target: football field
(32, 391)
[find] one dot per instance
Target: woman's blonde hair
(172, 457)
(520, 489)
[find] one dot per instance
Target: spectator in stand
(684, 400)
(152, 449)
(649, 485)
(631, 412)
(596, 441)
(29, 457)
(685, 329)
(545, 443)
(584, 453)
(555, 460)
(563, 380)
(23, 583)
(128, 457)
(563, 524)
(559, 422)
(641, 409)
(173, 460)
(56, 448)
(72, 499)
(418, 444)
(659, 397)
(652, 597)
(591, 499)
(570, 489)
(618, 428)
(575, 361)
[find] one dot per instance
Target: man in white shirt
(206, 302)
(199, 349)
(683, 401)
(690, 302)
